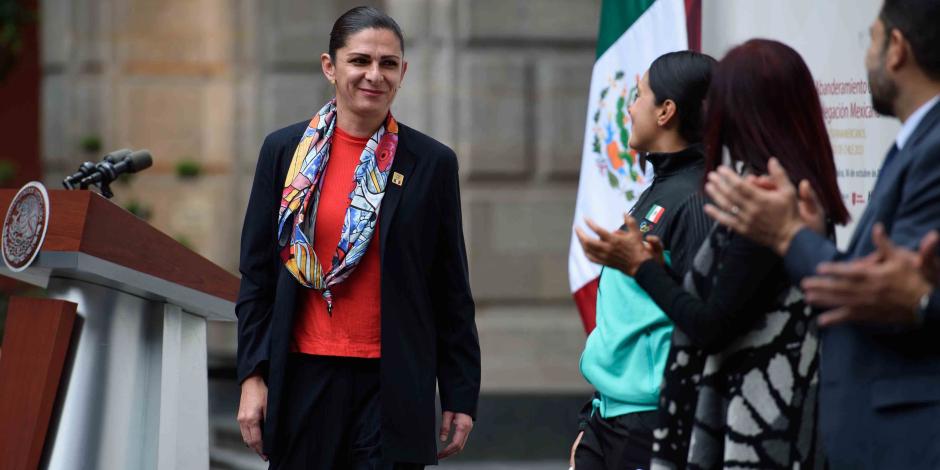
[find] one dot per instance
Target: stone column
(505, 83)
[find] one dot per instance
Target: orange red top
(354, 328)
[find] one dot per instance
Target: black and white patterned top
(740, 385)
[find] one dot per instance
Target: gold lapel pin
(398, 178)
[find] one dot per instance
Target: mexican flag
(632, 34)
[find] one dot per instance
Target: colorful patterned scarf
(302, 187)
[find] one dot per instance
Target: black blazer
(428, 329)
(880, 393)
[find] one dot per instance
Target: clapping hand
(769, 209)
(883, 287)
(621, 249)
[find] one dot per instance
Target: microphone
(106, 171)
(88, 168)
(71, 182)
(117, 155)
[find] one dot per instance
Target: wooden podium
(133, 389)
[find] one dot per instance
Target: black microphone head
(117, 155)
(71, 182)
(139, 160)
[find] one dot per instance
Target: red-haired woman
(740, 385)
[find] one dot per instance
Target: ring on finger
(735, 210)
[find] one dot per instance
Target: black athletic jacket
(671, 208)
(681, 222)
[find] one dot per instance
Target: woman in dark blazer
(371, 402)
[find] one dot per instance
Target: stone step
(222, 458)
(510, 427)
(226, 459)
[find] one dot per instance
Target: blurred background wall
(201, 82)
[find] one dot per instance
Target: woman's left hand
(461, 424)
(621, 249)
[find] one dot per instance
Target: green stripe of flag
(616, 17)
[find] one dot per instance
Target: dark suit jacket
(428, 329)
(880, 394)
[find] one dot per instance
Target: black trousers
(332, 418)
(620, 443)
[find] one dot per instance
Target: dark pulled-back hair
(683, 77)
(358, 19)
(763, 103)
(919, 22)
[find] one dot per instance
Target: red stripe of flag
(585, 299)
(693, 23)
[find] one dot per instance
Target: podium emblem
(24, 227)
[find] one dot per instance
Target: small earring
(332, 81)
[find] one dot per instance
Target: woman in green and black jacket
(625, 355)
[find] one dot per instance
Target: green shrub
(91, 144)
(188, 169)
